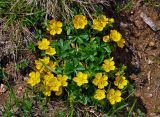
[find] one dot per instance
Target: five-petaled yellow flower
(115, 35)
(100, 80)
(81, 78)
(120, 82)
(108, 65)
(34, 78)
(100, 94)
(79, 21)
(55, 27)
(44, 44)
(114, 96)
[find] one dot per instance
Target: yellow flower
(97, 25)
(121, 43)
(104, 20)
(52, 82)
(63, 80)
(44, 44)
(100, 22)
(58, 93)
(106, 38)
(79, 22)
(81, 78)
(50, 51)
(111, 20)
(34, 78)
(108, 65)
(114, 96)
(55, 27)
(115, 35)
(100, 94)
(120, 82)
(100, 80)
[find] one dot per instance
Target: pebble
(149, 21)
(123, 25)
(151, 44)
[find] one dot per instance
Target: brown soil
(144, 65)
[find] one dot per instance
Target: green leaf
(31, 46)
(84, 37)
(80, 68)
(2, 73)
(68, 67)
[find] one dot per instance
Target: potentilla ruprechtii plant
(75, 59)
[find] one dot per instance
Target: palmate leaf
(79, 39)
(68, 67)
(72, 66)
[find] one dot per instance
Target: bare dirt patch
(144, 43)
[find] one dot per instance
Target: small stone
(149, 61)
(149, 21)
(25, 78)
(123, 25)
(3, 88)
(153, 115)
(132, 12)
(29, 1)
(150, 95)
(151, 44)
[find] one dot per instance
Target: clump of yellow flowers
(116, 37)
(101, 82)
(43, 75)
(100, 22)
(88, 65)
(44, 45)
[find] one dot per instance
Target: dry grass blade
(64, 8)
